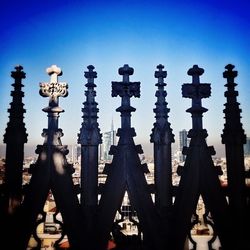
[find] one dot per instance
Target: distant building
(183, 142)
(78, 153)
(75, 149)
(108, 139)
(247, 147)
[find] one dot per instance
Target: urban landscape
(49, 231)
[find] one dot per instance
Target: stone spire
(162, 137)
(234, 138)
(196, 92)
(15, 137)
(126, 90)
(199, 175)
(89, 138)
(126, 173)
(53, 90)
(52, 172)
(90, 132)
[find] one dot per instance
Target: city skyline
(108, 35)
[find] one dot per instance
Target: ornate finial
(230, 74)
(54, 89)
(195, 72)
(18, 74)
(54, 72)
(126, 87)
(196, 92)
(229, 67)
(126, 90)
(90, 75)
(160, 67)
(126, 71)
(160, 74)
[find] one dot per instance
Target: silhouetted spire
(199, 175)
(234, 138)
(126, 173)
(89, 138)
(125, 90)
(90, 132)
(196, 92)
(15, 137)
(51, 172)
(16, 131)
(233, 127)
(162, 132)
(53, 90)
(162, 137)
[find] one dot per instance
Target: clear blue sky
(108, 34)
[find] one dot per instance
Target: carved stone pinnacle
(18, 74)
(230, 74)
(126, 71)
(160, 74)
(195, 72)
(90, 75)
(54, 72)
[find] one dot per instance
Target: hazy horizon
(29, 150)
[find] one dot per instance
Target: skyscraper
(108, 139)
(183, 142)
(247, 147)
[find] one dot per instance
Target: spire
(125, 90)
(233, 130)
(196, 92)
(199, 175)
(89, 138)
(126, 173)
(15, 137)
(53, 90)
(162, 137)
(52, 172)
(162, 132)
(90, 132)
(16, 131)
(234, 138)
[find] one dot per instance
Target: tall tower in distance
(183, 142)
(109, 139)
(247, 147)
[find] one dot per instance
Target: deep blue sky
(108, 34)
